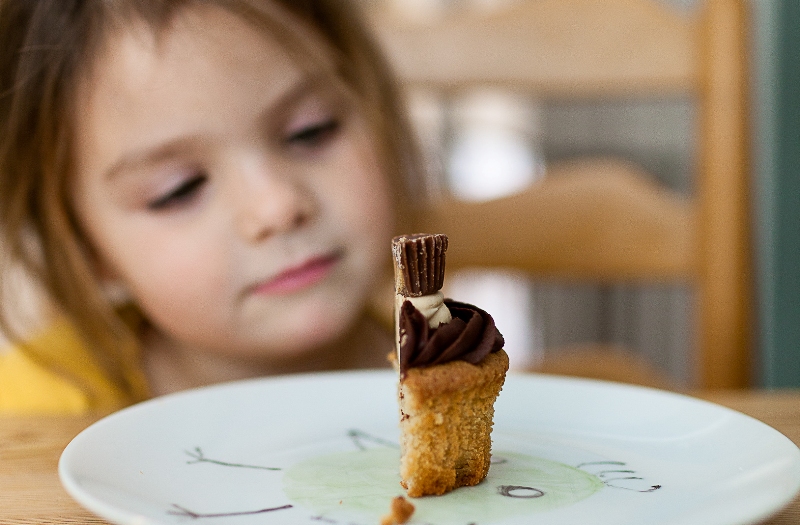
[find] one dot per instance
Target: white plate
(321, 449)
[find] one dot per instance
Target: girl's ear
(115, 291)
(112, 286)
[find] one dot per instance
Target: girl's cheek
(173, 265)
(378, 208)
(369, 186)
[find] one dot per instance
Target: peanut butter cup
(419, 263)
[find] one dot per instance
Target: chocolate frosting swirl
(470, 336)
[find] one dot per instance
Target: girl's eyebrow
(305, 86)
(149, 156)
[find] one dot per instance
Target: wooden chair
(605, 219)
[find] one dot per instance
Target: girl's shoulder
(54, 374)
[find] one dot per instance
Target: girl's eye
(181, 194)
(314, 135)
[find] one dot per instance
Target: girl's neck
(171, 367)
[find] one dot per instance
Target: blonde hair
(47, 47)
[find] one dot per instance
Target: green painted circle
(360, 484)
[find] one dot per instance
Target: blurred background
(618, 179)
(713, 137)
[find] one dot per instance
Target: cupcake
(451, 365)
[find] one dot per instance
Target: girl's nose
(270, 204)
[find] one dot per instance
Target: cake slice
(452, 367)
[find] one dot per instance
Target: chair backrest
(605, 219)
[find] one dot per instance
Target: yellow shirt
(29, 387)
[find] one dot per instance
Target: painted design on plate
(200, 457)
(180, 511)
(355, 486)
(360, 484)
(615, 476)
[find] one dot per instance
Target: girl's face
(241, 202)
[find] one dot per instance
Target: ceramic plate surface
(322, 449)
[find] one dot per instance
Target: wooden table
(30, 491)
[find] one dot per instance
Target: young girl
(205, 190)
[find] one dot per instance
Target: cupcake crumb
(400, 511)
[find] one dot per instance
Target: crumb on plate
(400, 511)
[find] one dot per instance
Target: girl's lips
(299, 277)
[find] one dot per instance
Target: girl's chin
(318, 322)
(306, 338)
(320, 338)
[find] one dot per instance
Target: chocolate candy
(419, 263)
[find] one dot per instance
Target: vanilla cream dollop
(432, 307)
